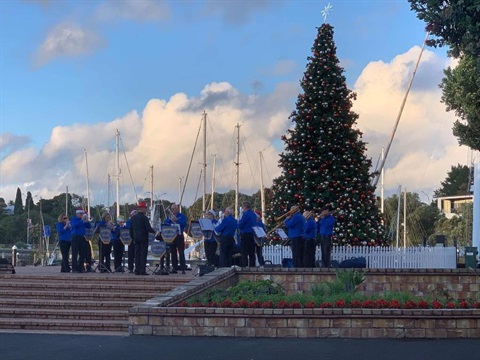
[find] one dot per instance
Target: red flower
(463, 304)
(326, 305)
(356, 304)
(242, 303)
(295, 305)
(369, 304)
(451, 305)
(476, 305)
(340, 304)
(310, 305)
(182, 304)
(437, 304)
(255, 304)
(410, 304)
(267, 304)
(382, 303)
(394, 304)
(282, 304)
(422, 304)
(227, 303)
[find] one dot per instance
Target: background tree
(458, 227)
(18, 209)
(456, 183)
(324, 160)
(456, 24)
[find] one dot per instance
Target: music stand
(89, 234)
(126, 241)
(259, 235)
(158, 249)
(169, 234)
(284, 238)
(104, 235)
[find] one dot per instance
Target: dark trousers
(211, 253)
(326, 245)
(165, 259)
(226, 251)
(298, 245)
(141, 250)
(178, 245)
(118, 250)
(131, 256)
(247, 249)
(309, 253)
(259, 252)
(65, 250)
(87, 250)
(78, 252)
(105, 251)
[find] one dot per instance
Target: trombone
(288, 213)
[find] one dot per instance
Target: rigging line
(392, 136)
(128, 168)
(221, 176)
(191, 159)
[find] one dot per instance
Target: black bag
(205, 269)
(287, 263)
(357, 263)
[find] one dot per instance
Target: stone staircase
(90, 303)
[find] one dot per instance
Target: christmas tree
(324, 160)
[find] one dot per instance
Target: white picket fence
(380, 257)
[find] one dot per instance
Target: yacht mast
(237, 173)
(262, 189)
(117, 137)
(204, 165)
(212, 203)
(88, 183)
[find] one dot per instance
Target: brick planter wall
(159, 316)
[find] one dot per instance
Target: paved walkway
(81, 347)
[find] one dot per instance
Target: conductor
(139, 229)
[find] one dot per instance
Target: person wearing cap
(104, 247)
(210, 243)
(139, 229)
(64, 231)
(118, 246)
(295, 224)
(226, 229)
(326, 223)
(310, 241)
(79, 223)
(258, 248)
(178, 245)
(131, 247)
(247, 241)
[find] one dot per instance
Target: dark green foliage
(347, 281)
(324, 161)
(456, 182)
(18, 209)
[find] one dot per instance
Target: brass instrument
(289, 213)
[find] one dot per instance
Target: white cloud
(67, 39)
(424, 148)
(236, 12)
(137, 10)
(282, 67)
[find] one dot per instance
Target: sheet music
(282, 234)
(206, 224)
(259, 232)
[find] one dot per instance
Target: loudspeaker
(205, 269)
(287, 263)
(357, 263)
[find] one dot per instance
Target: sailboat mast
(237, 168)
(262, 189)
(108, 190)
(117, 153)
(66, 202)
(204, 160)
(213, 182)
(88, 183)
(151, 187)
(399, 192)
(382, 198)
(405, 218)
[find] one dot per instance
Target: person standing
(140, 227)
(64, 231)
(259, 248)
(79, 223)
(226, 229)
(247, 242)
(131, 247)
(210, 243)
(295, 224)
(105, 248)
(178, 245)
(310, 241)
(118, 246)
(326, 224)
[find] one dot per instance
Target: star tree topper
(325, 12)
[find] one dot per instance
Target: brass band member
(211, 243)
(295, 224)
(226, 229)
(139, 229)
(64, 231)
(131, 247)
(79, 223)
(310, 241)
(178, 245)
(259, 249)
(247, 242)
(326, 224)
(105, 250)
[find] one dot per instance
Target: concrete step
(102, 286)
(84, 295)
(64, 324)
(68, 304)
(65, 314)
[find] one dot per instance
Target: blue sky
(96, 65)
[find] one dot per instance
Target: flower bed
(164, 316)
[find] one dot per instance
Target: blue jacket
(325, 225)
(182, 221)
(247, 222)
(295, 225)
(64, 234)
(227, 227)
(79, 226)
(116, 232)
(310, 228)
